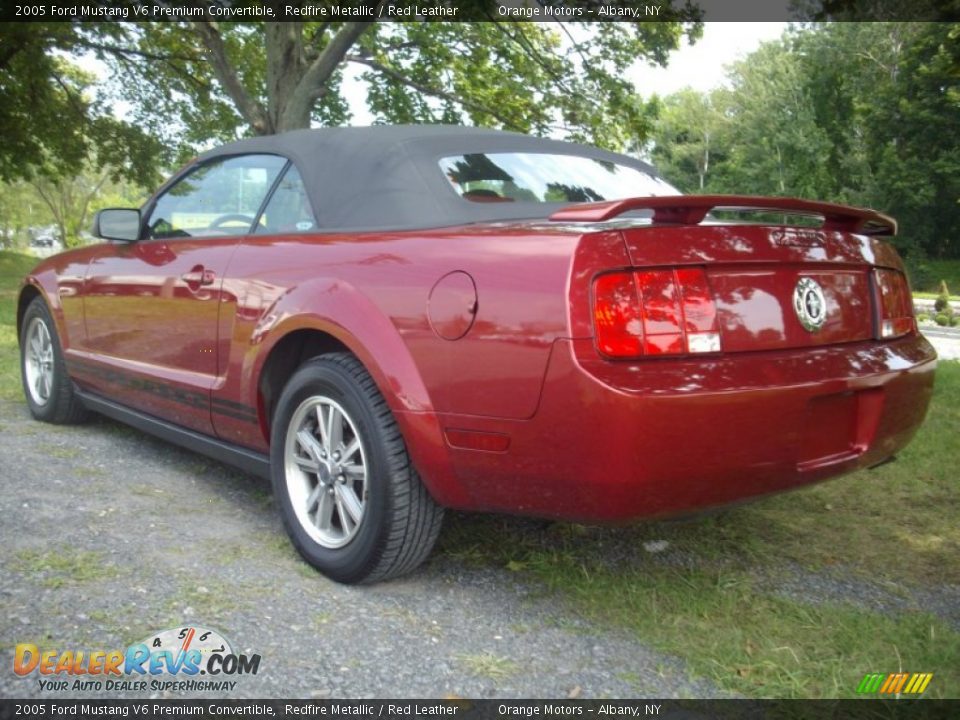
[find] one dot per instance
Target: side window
(218, 198)
(289, 209)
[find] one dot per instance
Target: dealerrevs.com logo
(181, 659)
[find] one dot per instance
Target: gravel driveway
(154, 537)
(110, 535)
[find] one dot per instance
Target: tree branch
(72, 97)
(250, 109)
(521, 40)
(117, 50)
(318, 34)
(434, 92)
(9, 52)
(317, 75)
(333, 54)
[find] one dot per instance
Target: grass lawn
(948, 270)
(713, 599)
(715, 596)
(13, 267)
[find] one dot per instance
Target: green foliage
(224, 80)
(51, 120)
(861, 113)
(67, 201)
(689, 130)
(942, 319)
(13, 266)
(920, 273)
(942, 303)
(945, 270)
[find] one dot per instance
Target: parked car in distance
(390, 321)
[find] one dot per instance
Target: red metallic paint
(521, 414)
(674, 435)
(149, 321)
(692, 209)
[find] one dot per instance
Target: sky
(702, 65)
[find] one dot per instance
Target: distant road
(945, 340)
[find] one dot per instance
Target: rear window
(542, 177)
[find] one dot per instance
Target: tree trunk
(783, 185)
(293, 85)
(285, 68)
(312, 84)
(706, 160)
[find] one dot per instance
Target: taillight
(895, 303)
(616, 313)
(655, 312)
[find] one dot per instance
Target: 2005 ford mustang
(389, 321)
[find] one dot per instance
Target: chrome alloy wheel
(326, 471)
(38, 361)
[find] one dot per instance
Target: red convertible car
(389, 321)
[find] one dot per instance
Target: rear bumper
(612, 442)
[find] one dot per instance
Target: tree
(861, 113)
(893, 120)
(65, 201)
(686, 138)
(778, 148)
(193, 82)
(51, 119)
(20, 208)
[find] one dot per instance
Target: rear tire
(43, 371)
(348, 495)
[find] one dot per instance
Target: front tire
(46, 384)
(348, 495)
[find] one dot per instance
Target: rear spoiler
(692, 209)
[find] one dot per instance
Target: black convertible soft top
(389, 178)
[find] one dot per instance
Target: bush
(923, 317)
(943, 319)
(942, 303)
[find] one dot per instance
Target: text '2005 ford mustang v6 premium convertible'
(388, 321)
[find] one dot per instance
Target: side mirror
(117, 224)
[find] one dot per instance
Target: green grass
(710, 600)
(487, 665)
(13, 267)
(934, 272)
(65, 566)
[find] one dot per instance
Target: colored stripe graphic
(914, 682)
(891, 679)
(895, 683)
(898, 685)
(927, 677)
(870, 683)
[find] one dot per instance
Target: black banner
(477, 10)
(866, 709)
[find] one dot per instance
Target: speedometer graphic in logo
(184, 639)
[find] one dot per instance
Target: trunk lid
(758, 276)
(774, 286)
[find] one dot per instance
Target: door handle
(199, 276)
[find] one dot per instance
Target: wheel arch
(346, 320)
(28, 293)
(287, 354)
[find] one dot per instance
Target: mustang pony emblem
(809, 304)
